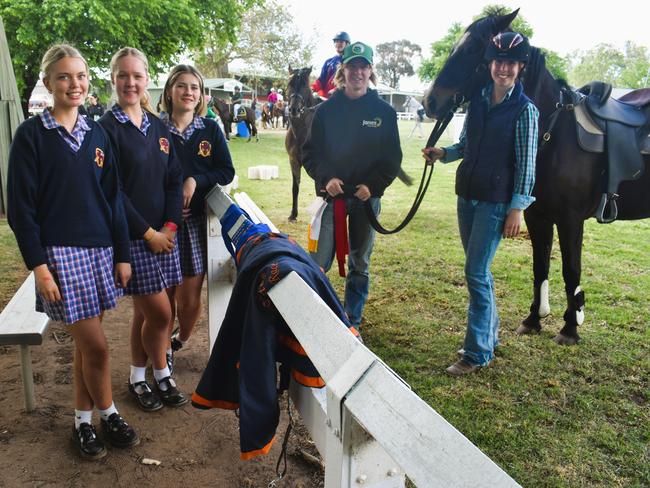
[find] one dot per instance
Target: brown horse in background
(225, 112)
(301, 113)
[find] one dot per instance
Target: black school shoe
(85, 438)
(118, 432)
(170, 395)
(147, 399)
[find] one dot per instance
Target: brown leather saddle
(620, 128)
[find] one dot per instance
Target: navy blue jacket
(150, 172)
(487, 170)
(356, 141)
(206, 158)
(241, 372)
(58, 197)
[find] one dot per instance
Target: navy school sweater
(150, 172)
(57, 197)
(206, 158)
(356, 141)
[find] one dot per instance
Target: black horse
(225, 112)
(569, 181)
(302, 104)
(301, 113)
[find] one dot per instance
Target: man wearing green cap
(353, 153)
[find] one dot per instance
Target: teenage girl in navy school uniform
(152, 183)
(65, 208)
(206, 161)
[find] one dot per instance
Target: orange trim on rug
(196, 398)
(245, 456)
(292, 344)
(311, 381)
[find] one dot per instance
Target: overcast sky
(561, 26)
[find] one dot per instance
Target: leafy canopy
(160, 28)
(267, 41)
(629, 68)
(441, 49)
(395, 60)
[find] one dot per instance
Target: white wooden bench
(21, 325)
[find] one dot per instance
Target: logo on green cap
(357, 49)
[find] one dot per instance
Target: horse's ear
(290, 70)
(503, 21)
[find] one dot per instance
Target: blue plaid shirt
(197, 123)
(122, 118)
(74, 139)
(526, 133)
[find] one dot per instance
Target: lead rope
(437, 131)
(283, 453)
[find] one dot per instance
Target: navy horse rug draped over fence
(241, 372)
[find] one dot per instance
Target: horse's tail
(406, 179)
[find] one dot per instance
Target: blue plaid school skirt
(86, 280)
(152, 273)
(193, 245)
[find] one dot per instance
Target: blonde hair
(339, 77)
(55, 54)
(145, 101)
(182, 69)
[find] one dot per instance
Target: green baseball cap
(357, 50)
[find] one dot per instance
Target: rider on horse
(236, 99)
(324, 84)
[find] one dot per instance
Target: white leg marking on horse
(580, 314)
(544, 305)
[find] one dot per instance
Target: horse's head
(465, 69)
(298, 91)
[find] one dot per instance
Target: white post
(28, 379)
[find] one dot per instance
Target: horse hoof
(292, 218)
(525, 330)
(563, 340)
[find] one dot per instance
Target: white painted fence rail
(367, 423)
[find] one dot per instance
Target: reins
(439, 128)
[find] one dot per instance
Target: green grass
(550, 416)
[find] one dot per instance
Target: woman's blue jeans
(361, 237)
(481, 227)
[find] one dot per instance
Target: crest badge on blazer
(205, 149)
(164, 145)
(99, 157)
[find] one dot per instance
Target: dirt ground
(195, 447)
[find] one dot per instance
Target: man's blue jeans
(481, 227)
(362, 239)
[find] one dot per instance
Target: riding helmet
(342, 36)
(508, 45)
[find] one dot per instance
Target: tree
(441, 49)
(160, 28)
(267, 40)
(628, 68)
(395, 60)
(604, 63)
(556, 64)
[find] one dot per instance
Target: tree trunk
(30, 80)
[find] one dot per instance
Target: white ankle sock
(138, 374)
(159, 374)
(104, 414)
(82, 417)
(169, 350)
